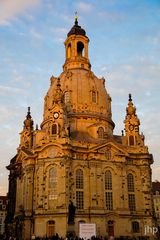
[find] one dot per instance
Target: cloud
(11, 9)
(111, 16)
(4, 90)
(85, 7)
(156, 173)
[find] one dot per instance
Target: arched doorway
(110, 228)
(50, 228)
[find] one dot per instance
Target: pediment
(112, 147)
(24, 153)
(50, 151)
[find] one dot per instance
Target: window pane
(130, 181)
(131, 202)
(52, 178)
(54, 129)
(109, 201)
(131, 140)
(66, 97)
(94, 97)
(108, 180)
(135, 226)
(79, 179)
(100, 132)
(79, 200)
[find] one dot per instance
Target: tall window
(54, 129)
(52, 178)
(94, 97)
(108, 190)
(79, 179)
(130, 182)
(69, 50)
(79, 189)
(52, 188)
(108, 180)
(131, 193)
(131, 140)
(66, 97)
(131, 202)
(100, 132)
(80, 49)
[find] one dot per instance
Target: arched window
(66, 97)
(79, 179)
(80, 49)
(100, 132)
(94, 97)
(108, 180)
(69, 50)
(52, 178)
(110, 227)
(135, 227)
(108, 190)
(130, 182)
(54, 129)
(52, 188)
(131, 193)
(79, 189)
(50, 228)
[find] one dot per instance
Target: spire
(132, 124)
(76, 29)
(131, 110)
(28, 122)
(58, 92)
(76, 19)
(130, 97)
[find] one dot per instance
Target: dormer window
(54, 129)
(94, 97)
(100, 132)
(131, 140)
(66, 97)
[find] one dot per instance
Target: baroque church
(73, 169)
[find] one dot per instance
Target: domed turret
(76, 29)
(76, 46)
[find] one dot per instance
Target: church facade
(73, 169)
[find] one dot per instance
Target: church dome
(85, 100)
(76, 30)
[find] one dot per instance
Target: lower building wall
(105, 227)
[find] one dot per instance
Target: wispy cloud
(111, 16)
(156, 173)
(10, 9)
(85, 7)
(4, 90)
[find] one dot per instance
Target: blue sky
(124, 48)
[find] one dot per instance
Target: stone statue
(71, 213)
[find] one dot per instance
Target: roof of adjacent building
(156, 187)
(3, 203)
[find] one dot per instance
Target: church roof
(76, 30)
